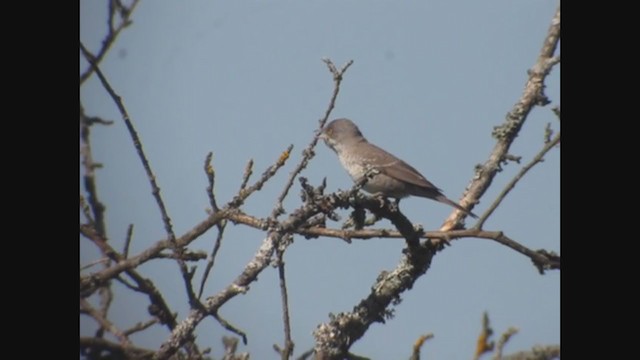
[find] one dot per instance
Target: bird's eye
(329, 131)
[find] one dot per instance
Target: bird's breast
(355, 167)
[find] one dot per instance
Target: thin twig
(143, 285)
(186, 274)
(503, 341)
(230, 346)
(260, 261)
(243, 193)
(89, 284)
(127, 241)
(89, 177)
(106, 298)
(136, 141)
(112, 34)
(94, 263)
(548, 352)
(140, 326)
(86, 211)
(248, 171)
(415, 355)
(483, 343)
(556, 110)
(230, 327)
(287, 350)
(104, 322)
(536, 159)
(208, 168)
(127, 284)
(307, 153)
(211, 176)
(216, 247)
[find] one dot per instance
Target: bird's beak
(322, 135)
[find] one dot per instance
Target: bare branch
(248, 171)
(261, 260)
(127, 241)
(230, 347)
(89, 284)
(415, 355)
(158, 307)
(106, 298)
(287, 350)
(86, 307)
(94, 263)
(91, 344)
(140, 326)
(556, 110)
(86, 211)
(503, 341)
(537, 353)
(507, 132)
(268, 174)
(536, 159)
(212, 259)
(308, 154)
(113, 32)
(240, 285)
(96, 217)
(211, 176)
(208, 168)
(186, 274)
(227, 325)
(484, 344)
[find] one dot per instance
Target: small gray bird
(393, 177)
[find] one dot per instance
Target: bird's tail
(444, 199)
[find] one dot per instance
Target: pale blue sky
(245, 79)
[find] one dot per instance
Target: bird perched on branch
(391, 177)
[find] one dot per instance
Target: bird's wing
(391, 166)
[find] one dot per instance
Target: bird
(391, 177)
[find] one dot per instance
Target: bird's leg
(395, 206)
(356, 219)
(380, 197)
(372, 220)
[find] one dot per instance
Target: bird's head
(340, 132)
